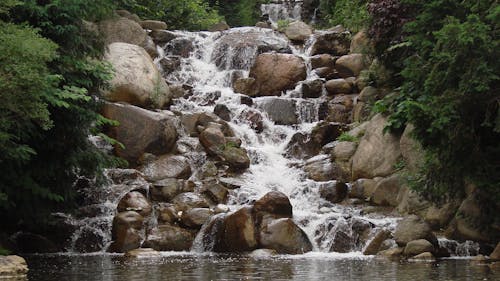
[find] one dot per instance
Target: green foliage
(347, 137)
(186, 14)
(239, 13)
(352, 14)
(283, 24)
(449, 91)
(4, 252)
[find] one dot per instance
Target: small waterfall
(282, 10)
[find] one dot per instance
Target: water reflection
(227, 267)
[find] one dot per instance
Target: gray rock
(413, 228)
(280, 110)
(167, 166)
(284, 236)
(169, 238)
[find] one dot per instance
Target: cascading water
(282, 10)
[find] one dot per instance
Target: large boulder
(351, 65)
(361, 43)
(312, 88)
(137, 80)
(275, 73)
(220, 26)
(126, 232)
(413, 228)
(323, 60)
(153, 24)
(246, 86)
(377, 152)
(280, 110)
(121, 29)
(411, 149)
(272, 205)
(232, 49)
(338, 86)
(162, 36)
(140, 131)
(135, 201)
(180, 46)
(331, 42)
(236, 157)
(284, 236)
(373, 247)
(169, 238)
(334, 191)
(196, 217)
(13, 268)
(298, 31)
(167, 166)
(167, 189)
(495, 255)
(321, 168)
(189, 200)
(239, 232)
(213, 140)
(417, 247)
(386, 191)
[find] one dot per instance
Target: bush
(352, 14)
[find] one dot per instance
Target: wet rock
(180, 46)
(417, 247)
(413, 228)
(196, 217)
(162, 36)
(167, 166)
(142, 253)
(333, 192)
(221, 26)
(284, 236)
(361, 43)
(320, 168)
(495, 255)
(239, 231)
(275, 73)
(465, 222)
(167, 189)
(368, 94)
(126, 232)
(150, 47)
(427, 257)
(391, 254)
(246, 86)
(280, 110)
(13, 268)
(326, 73)
(237, 158)
(351, 65)
(386, 191)
(153, 24)
(189, 200)
(260, 253)
(343, 150)
(331, 42)
(375, 244)
(377, 152)
(27, 242)
(213, 140)
(301, 146)
(122, 30)
(231, 183)
(273, 205)
(262, 24)
(169, 238)
(216, 192)
(338, 86)
(140, 131)
(245, 99)
(135, 201)
(137, 80)
(254, 118)
(411, 202)
(440, 216)
(167, 213)
(298, 31)
(170, 64)
(312, 89)
(234, 46)
(223, 112)
(338, 113)
(323, 60)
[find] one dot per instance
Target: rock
(13, 268)
(331, 42)
(466, 218)
(239, 231)
(298, 31)
(391, 254)
(246, 100)
(135, 201)
(153, 24)
(263, 253)
(142, 253)
(417, 247)
(254, 118)
(170, 64)
(237, 158)
(338, 112)
(327, 73)
(351, 65)
(169, 238)
(338, 86)
(122, 30)
(440, 217)
(320, 168)
(361, 43)
(233, 47)
(495, 255)
(375, 244)
(323, 60)
(128, 15)
(272, 205)
(162, 36)
(427, 257)
(284, 236)
(386, 191)
(334, 192)
(282, 111)
(363, 188)
(377, 152)
(301, 146)
(223, 112)
(126, 232)
(167, 213)
(189, 200)
(196, 217)
(368, 94)
(413, 228)
(27, 242)
(343, 150)
(312, 89)
(221, 26)
(180, 46)
(215, 192)
(411, 202)
(137, 80)
(140, 131)
(167, 189)
(150, 47)
(213, 140)
(411, 150)
(275, 73)
(246, 86)
(167, 166)
(262, 24)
